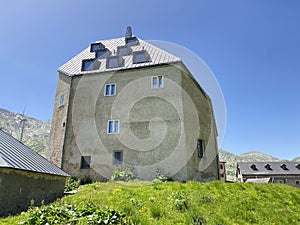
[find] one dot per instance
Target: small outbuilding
(26, 177)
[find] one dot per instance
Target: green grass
(191, 202)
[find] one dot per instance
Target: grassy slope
(212, 203)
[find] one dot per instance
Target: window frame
(116, 161)
(85, 162)
(128, 50)
(110, 89)
(144, 53)
(158, 85)
(132, 41)
(120, 62)
(95, 64)
(61, 100)
(113, 126)
(101, 46)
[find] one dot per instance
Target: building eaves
(15, 155)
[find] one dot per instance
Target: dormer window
(124, 50)
(298, 166)
(253, 167)
(90, 64)
(141, 57)
(268, 167)
(96, 47)
(102, 53)
(114, 62)
(283, 166)
(131, 41)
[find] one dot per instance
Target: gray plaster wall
(159, 128)
(59, 117)
(19, 188)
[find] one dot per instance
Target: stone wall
(18, 188)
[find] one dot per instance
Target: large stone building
(25, 176)
(126, 103)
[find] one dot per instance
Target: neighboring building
(222, 167)
(274, 172)
(126, 103)
(26, 176)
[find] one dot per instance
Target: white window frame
(158, 86)
(61, 100)
(114, 131)
(110, 94)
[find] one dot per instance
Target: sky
(251, 46)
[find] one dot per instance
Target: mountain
(36, 133)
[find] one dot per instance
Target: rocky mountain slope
(36, 133)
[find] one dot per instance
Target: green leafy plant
(179, 200)
(72, 183)
(162, 176)
(122, 175)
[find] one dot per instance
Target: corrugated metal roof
(157, 57)
(276, 168)
(14, 154)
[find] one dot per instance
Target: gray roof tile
(157, 56)
(276, 169)
(14, 154)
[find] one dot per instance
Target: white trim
(114, 121)
(110, 89)
(162, 82)
(64, 100)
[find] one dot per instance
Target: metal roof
(14, 154)
(157, 57)
(275, 168)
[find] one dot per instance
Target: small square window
(200, 148)
(96, 46)
(110, 90)
(117, 157)
(157, 82)
(297, 182)
(62, 100)
(85, 162)
(114, 62)
(90, 64)
(113, 127)
(102, 53)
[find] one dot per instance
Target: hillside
(36, 132)
(173, 203)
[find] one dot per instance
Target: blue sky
(253, 48)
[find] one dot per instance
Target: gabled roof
(14, 154)
(269, 168)
(157, 56)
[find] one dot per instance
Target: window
(110, 89)
(117, 157)
(221, 166)
(96, 46)
(131, 41)
(90, 64)
(157, 82)
(297, 182)
(102, 53)
(200, 148)
(114, 62)
(62, 100)
(113, 127)
(85, 162)
(140, 57)
(124, 50)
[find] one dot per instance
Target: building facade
(25, 176)
(222, 167)
(124, 103)
(269, 172)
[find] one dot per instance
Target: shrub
(72, 183)
(70, 214)
(122, 175)
(179, 200)
(160, 175)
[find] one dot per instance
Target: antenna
(23, 120)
